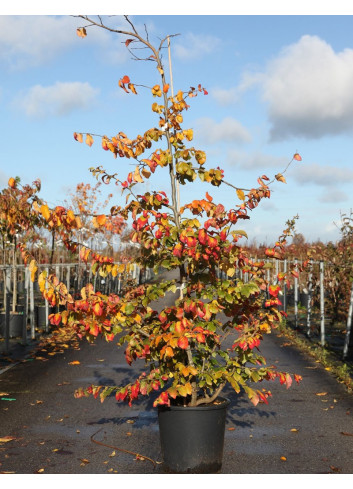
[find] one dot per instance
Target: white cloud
(308, 88)
(322, 175)
(194, 46)
(56, 100)
(228, 130)
(31, 40)
(333, 195)
(254, 160)
(225, 96)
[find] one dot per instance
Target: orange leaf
(89, 140)
(125, 79)
(280, 178)
(297, 157)
(321, 393)
(127, 42)
(75, 362)
(208, 197)
(166, 88)
(101, 220)
(78, 137)
(12, 182)
(81, 32)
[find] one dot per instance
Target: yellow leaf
(321, 393)
(240, 194)
(137, 177)
(45, 212)
(294, 430)
(33, 268)
(230, 272)
(6, 439)
(75, 362)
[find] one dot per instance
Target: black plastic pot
(40, 315)
(15, 326)
(192, 438)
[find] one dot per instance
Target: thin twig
(138, 455)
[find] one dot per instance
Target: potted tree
(210, 336)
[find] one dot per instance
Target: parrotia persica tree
(210, 336)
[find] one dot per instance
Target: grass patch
(341, 370)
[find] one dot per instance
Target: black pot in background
(16, 325)
(40, 315)
(192, 438)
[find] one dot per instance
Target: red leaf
(127, 42)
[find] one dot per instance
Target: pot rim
(202, 407)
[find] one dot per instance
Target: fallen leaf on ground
(130, 421)
(335, 469)
(284, 459)
(6, 439)
(321, 393)
(346, 434)
(128, 433)
(100, 360)
(39, 402)
(84, 461)
(4, 394)
(112, 454)
(231, 428)
(40, 471)
(294, 430)
(75, 362)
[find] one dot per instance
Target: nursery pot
(192, 438)
(16, 325)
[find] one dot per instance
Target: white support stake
(322, 305)
(349, 326)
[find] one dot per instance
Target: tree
(190, 353)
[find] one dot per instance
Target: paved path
(304, 430)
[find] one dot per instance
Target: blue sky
(277, 84)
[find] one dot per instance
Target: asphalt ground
(306, 429)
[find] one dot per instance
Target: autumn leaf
(6, 439)
(166, 88)
(128, 41)
(101, 219)
(240, 194)
(125, 80)
(89, 140)
(75, 362)
(81, 32)
(208, 197)
(297, 157)
(78, 136)
(321, 393)
(12, 182)
(284, 459)
(280, 178)
(44, 209)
